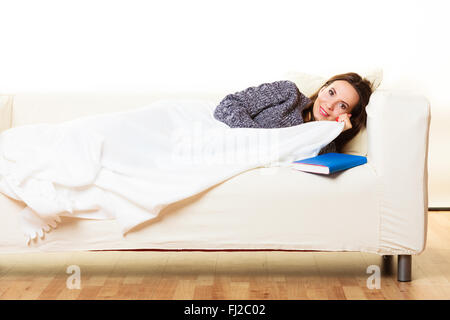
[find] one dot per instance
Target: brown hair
(359, 115)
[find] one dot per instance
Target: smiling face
(337, 98)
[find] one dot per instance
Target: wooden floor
(229, 275)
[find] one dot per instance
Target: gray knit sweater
(270, 105)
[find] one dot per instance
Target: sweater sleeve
(240, 109)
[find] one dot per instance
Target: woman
(281, 104)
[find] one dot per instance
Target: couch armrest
(397, 137)
(6, 105)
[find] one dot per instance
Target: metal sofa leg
(404, 263)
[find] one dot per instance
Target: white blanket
(129, 165)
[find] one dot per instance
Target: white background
(230, 45)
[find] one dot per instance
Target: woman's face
(337, 98)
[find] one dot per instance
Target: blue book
(329, 163)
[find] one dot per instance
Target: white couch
(380, 207)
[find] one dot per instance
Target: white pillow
(6, 103)
(308, 84)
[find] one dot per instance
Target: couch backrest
(30, 108)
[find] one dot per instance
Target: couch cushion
(264, 208)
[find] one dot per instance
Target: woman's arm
(240, 109)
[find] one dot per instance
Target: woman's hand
(345, 117)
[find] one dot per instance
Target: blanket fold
(129, 165)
